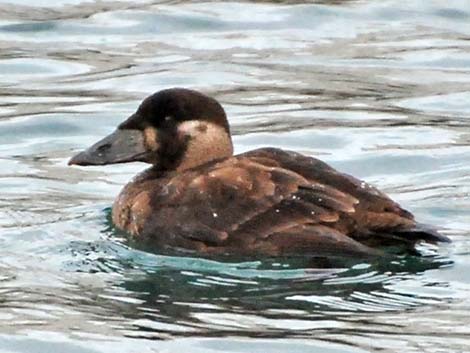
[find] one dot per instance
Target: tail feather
(422, 232)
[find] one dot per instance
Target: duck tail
(422, 232)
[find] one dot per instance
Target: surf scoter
(199, 197)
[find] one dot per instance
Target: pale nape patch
(208, 141)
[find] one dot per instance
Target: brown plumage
(199, 197)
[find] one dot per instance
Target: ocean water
(379, 89)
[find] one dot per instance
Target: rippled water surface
(380, 89)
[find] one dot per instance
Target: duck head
(174, 129)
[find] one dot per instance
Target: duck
(198, 197)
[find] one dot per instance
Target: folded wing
(273, 202)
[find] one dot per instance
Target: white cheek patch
(206, 141)
(150, 138)
(192, 128)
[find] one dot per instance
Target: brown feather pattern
(198, 196)
(266, 201)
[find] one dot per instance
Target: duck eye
(104, 147)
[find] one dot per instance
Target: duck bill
(121, 146)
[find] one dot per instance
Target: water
(379, 89)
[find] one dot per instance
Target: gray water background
(379, 89)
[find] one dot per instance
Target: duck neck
(203, 142)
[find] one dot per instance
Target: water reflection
(161, 295)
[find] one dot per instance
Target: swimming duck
(199, 197)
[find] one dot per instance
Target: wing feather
(270, 201)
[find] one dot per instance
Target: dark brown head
(174, 129)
